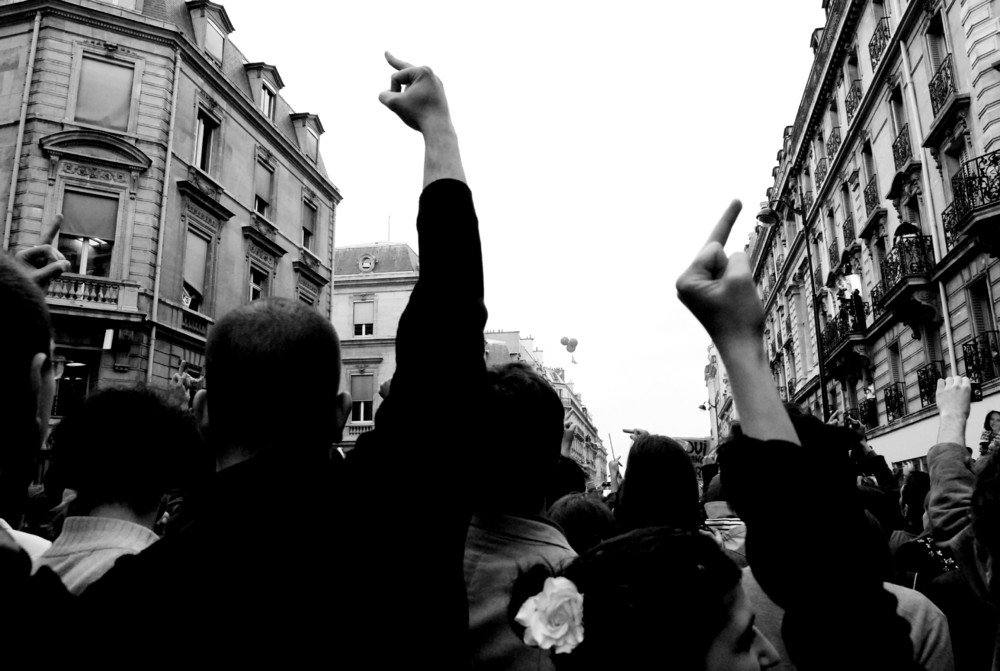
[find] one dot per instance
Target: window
(104, 95)
(263, 187)
(215, 40)
(980, 308)
(87, 237)
(362, 397)
(71, 389)
(312, 144)
(308, 225)
(937, 50)
(267, 97)
(258, 283)
(364, 318)
(205, 141)
(895, 363)
(195, 262)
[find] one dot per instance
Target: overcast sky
(601, 142)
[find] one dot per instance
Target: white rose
(553, 618)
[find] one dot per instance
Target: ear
(42, 388)
(341, 413)
(201, 412)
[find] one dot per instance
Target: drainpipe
(935, 224)
(9, 219)
(163, 215)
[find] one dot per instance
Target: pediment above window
(268, 72)
(94, 146)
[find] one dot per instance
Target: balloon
(564, 341)
(571, 348)
(573, 343)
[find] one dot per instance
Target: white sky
(601, 142)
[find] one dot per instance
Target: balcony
(982, 357)
(355, 430)
(792, 385)
(942, 86)
(821, 168)
(901, 151)
(868, 413)
(848, 228)
(927, 378)
(879, 41)
(81, 291)
(878, 302)
(834, 252)
(853, 99)
(872, 198)
(849, 321)
(912, 257)
(976, 197)
(894, 396)
(833, 144)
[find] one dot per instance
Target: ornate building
(188, 185)
(890, 179)
(587, 449)
(372, 287)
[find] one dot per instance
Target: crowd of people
(199, 530)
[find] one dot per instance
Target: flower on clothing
(554, 617)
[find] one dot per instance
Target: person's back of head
(986, 517)
(126, 448)
(585, 519)
(567, 478)
(916, 485)
(27, 385)
(273, 374)
(660, 487)
(522, 434)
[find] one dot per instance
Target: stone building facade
(372, 287)
(188, 185)
(891, 175)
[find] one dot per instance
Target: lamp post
(768, 217)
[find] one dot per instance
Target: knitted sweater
(89, 546)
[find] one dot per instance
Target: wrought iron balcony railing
(771, 279)
(779, 262)
(833, 144)
(821, 167)
(950, 220)
(850, 320)
(848, 228)
(976, 184)
(792, 385)
(927, 378)
(853, 99)
(901, 152)
(876, 46)
(834, 251)
(894, 396)
(877, 296)
(942, 86)
(808, 197)
(868, 413)
(871, 195)
(982, 357)
(912, 256)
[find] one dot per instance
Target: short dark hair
(27, 333)
(273, 372)
(126, 446)
(660, 488)
(585, 519)
(524, 419)
(567, 477)
(915, 487)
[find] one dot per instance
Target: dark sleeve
(809, 544)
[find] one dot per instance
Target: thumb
(387, 97)
(51, 271)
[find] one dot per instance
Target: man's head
(986, 518)
(27, 384)
(523, 433)
(915, 487)
(127, 448)
(273, 372)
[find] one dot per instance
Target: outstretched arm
(952, 481)
(719, 291)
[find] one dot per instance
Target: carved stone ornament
(203, 182)
(261, 255)
(201, 216)
(95, 173)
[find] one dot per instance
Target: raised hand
(953, 398)
(43, 262)
(416, 95)
(719, 290)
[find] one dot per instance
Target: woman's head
(660, 487)
(992, 422)
(585, 519)
(656, 597)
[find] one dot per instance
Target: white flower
(554, 617)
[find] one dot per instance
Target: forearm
(762, 415)
(951, 428)
(442, 158)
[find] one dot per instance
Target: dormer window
(267, 97)
(215, 40)
(312, 143)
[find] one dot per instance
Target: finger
(49, 234)
(710, 263)
(722, 229)
(402, 78)
(397, 63)
(50, 272)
